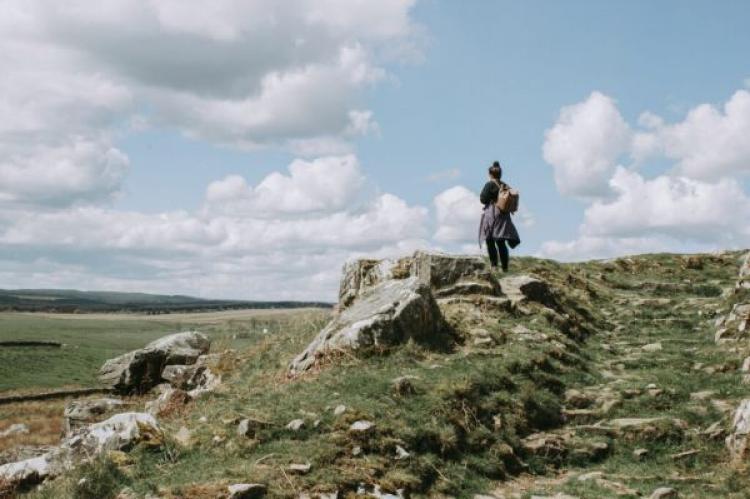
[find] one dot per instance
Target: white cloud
(81, 170)
(324, 184)
(708, 143)
(674, 206)
(457, 211)
(698, 202)
(248, 74)
(288, 235)
(592, 247)
(584, 145)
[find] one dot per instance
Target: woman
(496, 228)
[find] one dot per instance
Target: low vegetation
(526, 415)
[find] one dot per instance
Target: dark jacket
(495, 224)
(489, 193)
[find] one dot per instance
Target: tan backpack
(507, 198)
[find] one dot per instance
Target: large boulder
(120, 432)
(79, 413)
(140, 370)
(523, 288)
(386, 314)
(387, 302)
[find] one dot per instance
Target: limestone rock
(246, 490)
(737, 441)
(647, 428)
(116, 433)
(361, 426)
(299, 468)
(140, 370)
(14, 429)
(384, 303)
(652, 347)
(296, 424)
(81, 412)
(527, 288)
(387, 314)
(119, 432)
(169, 400)
(744, 281)
(27, 472)
(249, 427)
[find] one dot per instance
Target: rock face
(385, 303)
(140, 370)
(738, 440)
(119, 432)
(79, 413)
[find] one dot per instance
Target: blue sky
(176, 180)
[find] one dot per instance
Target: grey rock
(527, 288)
(116, 433)
(361, 426)
(664, 493)
(387, 314)
(739, 436)
(384, 303)
(246, 490)
(81, 412)
(14, 429)
(299, 468)
(140, 370)
(296, 425)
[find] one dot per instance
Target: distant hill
(75, 301)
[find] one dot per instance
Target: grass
(89, 340)
(467, 411)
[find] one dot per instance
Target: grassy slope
(90, 340)
(463, 425)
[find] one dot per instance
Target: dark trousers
(495, 247)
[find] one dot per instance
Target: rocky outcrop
(140, 370)
(387, 302)
(119, 432)
(387, 314)
(79, 413)
(744, 280)
(739, 437)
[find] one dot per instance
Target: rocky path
(660, 394)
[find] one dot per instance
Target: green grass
(90, 340)
(464, 421)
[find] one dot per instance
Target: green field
(90, 339)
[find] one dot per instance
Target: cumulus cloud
(246, 74)
(457, 211)
(697, 202)
(584, 145)
(291, 233)
(708, 143)
(323, 184)
(676, 206)
(593, 247)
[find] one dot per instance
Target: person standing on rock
(496, 227)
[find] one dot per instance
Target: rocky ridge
(439, 378)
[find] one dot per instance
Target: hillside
(601, 379)
(74, 301)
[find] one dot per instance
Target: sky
(247, 149)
